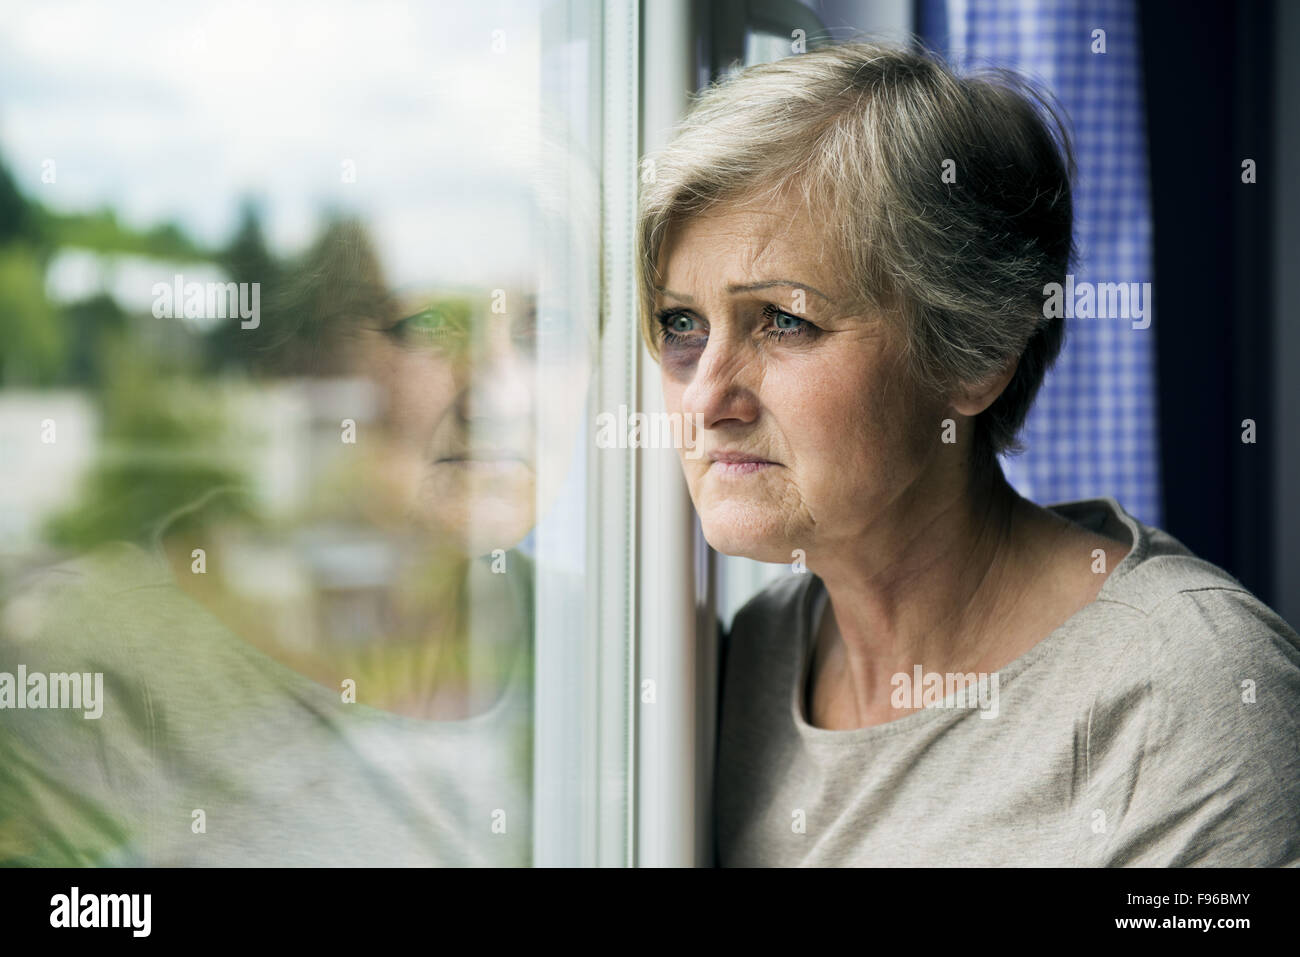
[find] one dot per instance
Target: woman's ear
(975, 399)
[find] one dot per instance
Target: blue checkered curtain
(1092, 431)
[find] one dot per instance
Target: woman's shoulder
(1193, 733)
(1188, 630)
(1191, 724)
(37, 607)
(1209, 643)
(1162, 585)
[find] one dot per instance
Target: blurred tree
(336, 287)
(166, 439)
(15, 217)
(94, 325)
(166, 443)
(33, 332)
(101, 232)
(246, 258)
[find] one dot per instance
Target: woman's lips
(740, 468)
(484, 461)
(737, 464)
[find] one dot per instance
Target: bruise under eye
(678, 351)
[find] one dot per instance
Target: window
(305, 331)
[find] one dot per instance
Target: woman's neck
(980, 577)
(933, 588)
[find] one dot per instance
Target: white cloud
(171, 111)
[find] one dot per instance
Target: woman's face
(461, 384)
(765, 344)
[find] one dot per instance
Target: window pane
(300, 309)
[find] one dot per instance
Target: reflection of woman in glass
(348, 681)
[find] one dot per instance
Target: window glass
(300, 309)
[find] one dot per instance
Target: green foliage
(101, 232)
(15, 217)
(319, 302)
(167, 442)
(95, 325)
(246, 258)
(33, 333)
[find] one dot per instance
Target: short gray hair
(865, 130)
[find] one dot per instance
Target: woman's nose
(500, 379)
(721, 387)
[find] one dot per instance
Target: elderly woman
(844, 256)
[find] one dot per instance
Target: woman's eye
(680, 328)
(537, 329)
(677, 327)
(785, 325)
(430, 325)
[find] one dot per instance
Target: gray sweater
(209, 753)
(1156, 727)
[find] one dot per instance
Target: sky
(179, 110)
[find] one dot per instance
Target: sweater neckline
(1094, 513)
(307, 688)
